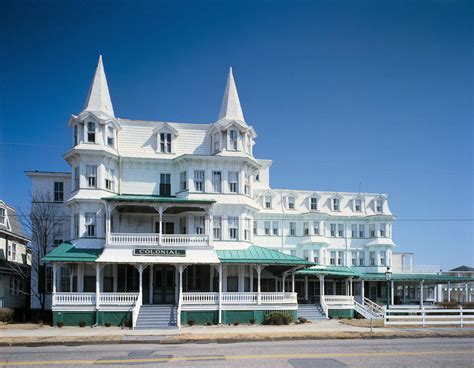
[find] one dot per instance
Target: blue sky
(341, 94)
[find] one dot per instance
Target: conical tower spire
(98, 99)
(230, 107)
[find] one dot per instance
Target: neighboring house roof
(66, 252)
(153, 198)
(462, 269)
(12, 225)
(259, 255)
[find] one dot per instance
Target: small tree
(43, 223)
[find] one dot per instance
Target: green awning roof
(259, 255)
(414, 277)
(329, 270)
(65, 252)
(152, 198)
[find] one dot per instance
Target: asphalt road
(429, 352)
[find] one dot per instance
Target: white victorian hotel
(169, 222)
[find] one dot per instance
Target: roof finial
(98, 99)
(230, 107)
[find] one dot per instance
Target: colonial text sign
(159, 252)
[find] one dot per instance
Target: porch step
(156, 317)
(312, 312)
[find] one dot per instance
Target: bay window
(383, 230)
(91, 132)
(233, 181)
(316, 230)
(383, 258)
(110, 179)
(305, 228)
(217, 182)
(372, 260)
(91, 175)
(233, 224)
(183, 180)
(91, 224)
(199, 180)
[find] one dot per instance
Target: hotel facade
(168, 222)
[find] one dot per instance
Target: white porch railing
(322, 301)
(170, 240)
(89, 299)
(339, 301)
(117, 298)
(377, 309)
(73, 299)
(190, 298)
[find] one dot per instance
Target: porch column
(55, 267)
(259, 296)
(251, 279)
(334, 292)
(180, 296)
(160, 224)
(321, 286)
(467, 293)
(283, 282)
(114, 272)
(346, 283)
(306, 288)
(97, 285)
(293, 282)
(241, 278)
(392, 296)
(449, 291)
(421, 294)
(80, 277)
(404, 293)
(362, 291)
(71, 276)
(211, 278)
(220, 293)
(210, 230)
(150, 282)
(350, 287)
(140, 283)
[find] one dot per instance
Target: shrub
(236, 323)
(60, 324)
(128, 323)
(209, 323)
(252, 321)
(191, 322)
(6, 315)
(277, 318)
(302, 320)
(107, 324)
(82, 324)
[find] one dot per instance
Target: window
(91, 132)
(292, 228)
(57, 242)
(233, 140)
(340, 230)
(357, 205)
(165, 185)
(2, 216)
(246, 229)
(77, 178)
(379, 205)
(165, 142)
(216, 142)
(91, 219)
(268, 201)
(48, 279)
(361, 258)
(247, 184)
(333, 230)
(233, 181)
(354, 258)
(76, 138)
(372, 258)
(306, 254)
(332, 259)
(340, 258)
(65, 278)
(383, 258)
(383, 230)
(316, 256)
(199, 224)
(305, 228)
(316, 230)
(336, 204)
(76, 225)
(266, 226)
(91, 174)
(372, 230)
(257, 177)
(233, 223)
(110, 137)
(255, 228)
(183, 181)
(354, 231)
(313, 203)
(291, 203)
(199, 180)
(12, 251)
(216, 181)
(275, 228)
(109, 180)
(361, 231)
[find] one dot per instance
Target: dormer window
(90, 132)
(110, 137)
(291, 202)
(268, 201)
(336, 204)
(165, 142)
(379, 206)
(313, 203)
(233, 140)
(357, 205)
(76, 138)
(3, 216)
(216, 142)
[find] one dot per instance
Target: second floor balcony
(164, 240)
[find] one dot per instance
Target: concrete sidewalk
(47, 335)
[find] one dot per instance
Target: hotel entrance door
(164, 284)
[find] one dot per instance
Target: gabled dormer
(358, 203)
(165, 138)
(231, 133)
(313, 201)
(335, 202)
(379, 203)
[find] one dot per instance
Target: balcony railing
(239, 298)
(165, 240)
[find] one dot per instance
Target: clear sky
(342, 94)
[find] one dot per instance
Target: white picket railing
(423, 317)
(200, 298)
(239, 298)
(190, 298)
(73, 299)
(167, 240)
(339, 301)
(279, 298)
(117, 298)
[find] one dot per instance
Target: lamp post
(388, 278)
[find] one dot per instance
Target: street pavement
(423, 352)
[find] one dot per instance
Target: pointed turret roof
(230, 107)
(98, 99)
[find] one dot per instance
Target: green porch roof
(414, 277)
(329, 270)
(153, 198)
(259, 255)
(65, 252)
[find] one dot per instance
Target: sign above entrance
(159, 252)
